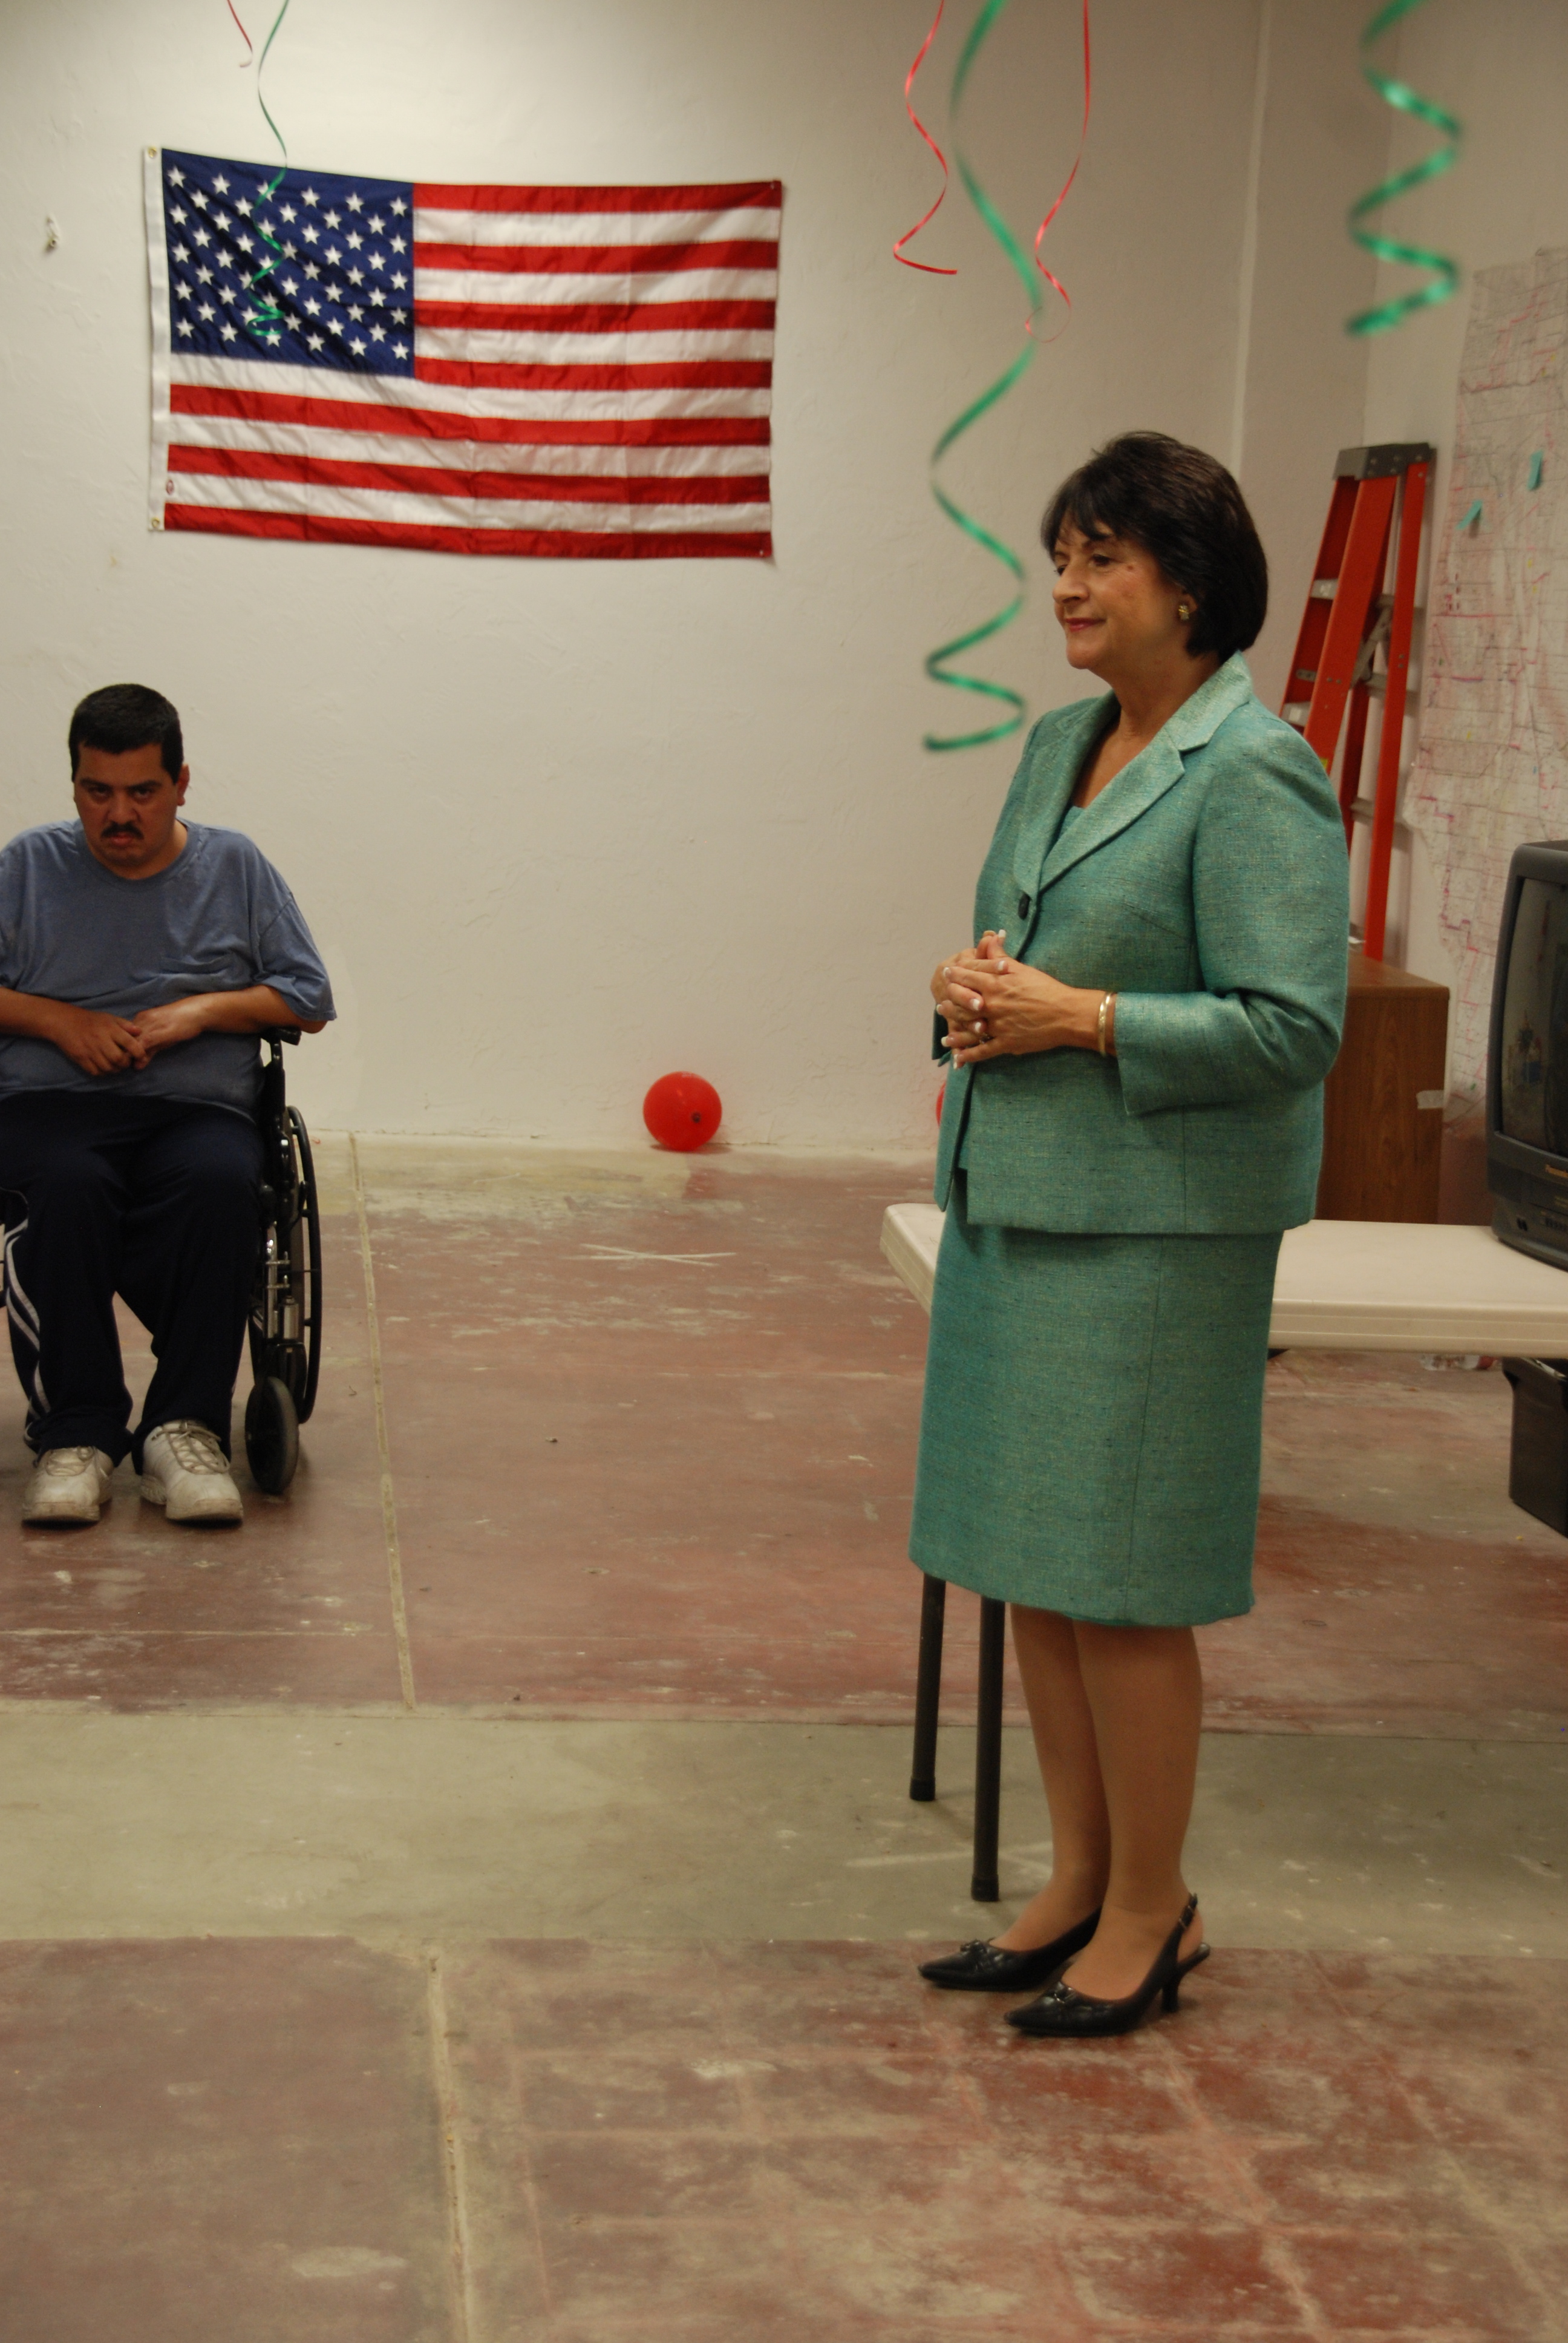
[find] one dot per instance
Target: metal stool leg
(929, 1690)
(985, 1887)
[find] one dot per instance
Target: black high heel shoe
(1076, 2017)
(984, 1967)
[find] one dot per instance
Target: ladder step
(1374, 516)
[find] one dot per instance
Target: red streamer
(898, 252)
(243, 36)
(1066, 188)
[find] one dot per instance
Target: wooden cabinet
(1382, 1102)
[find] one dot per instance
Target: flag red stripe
(432, 423)
(441, 480)
(663, 454)
(759, 194)
(596, 317)
(679, 374)
(594, 259)
(564, 544)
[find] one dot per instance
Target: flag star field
(343, 281)
(544, 371)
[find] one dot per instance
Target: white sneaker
(68, 1485)
(185, 1470)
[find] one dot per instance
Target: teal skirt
(1093, 1421)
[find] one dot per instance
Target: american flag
(529, 370)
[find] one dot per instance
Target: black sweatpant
(155, 1200)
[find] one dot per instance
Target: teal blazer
(1207, 888)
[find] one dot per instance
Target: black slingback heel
(985, 1967)
(1069, 2016)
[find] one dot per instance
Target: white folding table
(1358, 1285)
(1342, 1285)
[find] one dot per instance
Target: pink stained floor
(635, 1485)
(656, 1456)
(564, 2143)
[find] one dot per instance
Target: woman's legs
(1064, 1741)
(1116, 1712)
(1145, 1693)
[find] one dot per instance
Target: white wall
(1322, 137)
(560, 827)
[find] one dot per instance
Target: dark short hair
(128, 716)
(1183, 508)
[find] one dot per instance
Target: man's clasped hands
(101, 1043)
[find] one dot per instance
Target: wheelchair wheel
(308, 1257)
(271, 1435)
(285, 1306)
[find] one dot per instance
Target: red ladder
(1347, 618)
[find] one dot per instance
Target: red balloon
(682, 1112)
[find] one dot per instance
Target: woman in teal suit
(1138, 1042)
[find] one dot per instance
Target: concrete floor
(403, 1829)
(478, 1901)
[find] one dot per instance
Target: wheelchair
(285, 1299)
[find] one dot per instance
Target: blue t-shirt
(219, 918)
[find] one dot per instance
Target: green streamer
(1399, 94)
(266, 311)
(936, 665)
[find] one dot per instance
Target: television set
(1527, 1061)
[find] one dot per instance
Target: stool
(984, 1885)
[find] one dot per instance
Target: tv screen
(1533, 1080)
(1527, 1085)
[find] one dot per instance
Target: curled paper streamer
(1067, 183)
(910, 233)
(244, 36)
(1399, 94)
(261, 68)
(265, 310)
(1030, 271)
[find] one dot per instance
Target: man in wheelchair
(140, 955)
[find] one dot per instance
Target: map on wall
(1492, 768)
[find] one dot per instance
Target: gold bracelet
(1104, 1013)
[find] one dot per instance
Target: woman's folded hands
(996, 1007)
